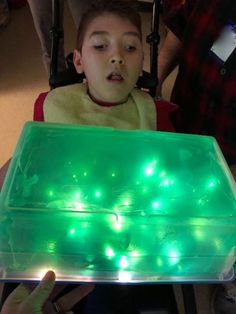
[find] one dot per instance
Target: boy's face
(111, 58)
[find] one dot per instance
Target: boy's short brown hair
(125, 9)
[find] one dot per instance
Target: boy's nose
(117, 59)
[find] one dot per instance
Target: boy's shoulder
(62, 102)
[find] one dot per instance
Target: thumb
(40, 294)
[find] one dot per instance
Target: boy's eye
(130, 48)
(100, 46)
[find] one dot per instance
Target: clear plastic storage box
(105, 205)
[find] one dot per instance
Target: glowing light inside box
(155, 204)
(149, 171)
(124, 276)
(78, 205)
(212, 184)
(126, 202)
(72, 231)
(199, 234)
(123, 263)
(110, 252)
(116, 222)
(174, 257)
(77, 195)
(117, 226)
(218, 244)
(200, 202)
(159, 262)
(51, 247)
(97, 194)
(135, 254)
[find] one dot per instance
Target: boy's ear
(77, 59)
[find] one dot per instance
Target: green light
(174, 257)
(155, 204)
(97, 194)
(149, 171)
(85, 225)
(117, 226)
(116, 222)
(51, 247)
(77, 195)
(124, 276)
(211, 185)
(51, 193)
(78, 205)
(126, 203)
(110, 252)
(218, 244)
(199, 234)
(123, 263)
(72, 231)
(85, 174)
(200, 202)
(134, 254)
(180, 268)
(159, 262)
(113, 174)
(162, 174)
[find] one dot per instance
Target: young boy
(109, 52)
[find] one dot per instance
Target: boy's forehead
(107, 22)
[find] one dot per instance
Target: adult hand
(39, 300)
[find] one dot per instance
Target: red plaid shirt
(205, 88)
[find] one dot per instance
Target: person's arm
(168, 57)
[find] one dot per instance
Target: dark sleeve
(176, 14)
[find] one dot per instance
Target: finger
(18, 295)
(57, 290)
(40, 294)
(69, 300)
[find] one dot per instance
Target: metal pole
(56, 35)
(154, 39)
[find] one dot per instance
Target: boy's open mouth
(115, 77)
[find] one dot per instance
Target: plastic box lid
(105, 205)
